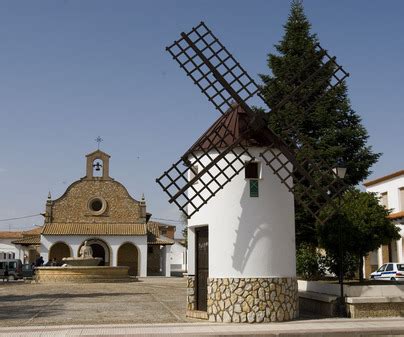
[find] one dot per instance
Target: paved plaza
(151, 307)
(151, 300)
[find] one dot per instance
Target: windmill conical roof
(225, 131)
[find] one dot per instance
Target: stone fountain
(85, 259)
(83, 269)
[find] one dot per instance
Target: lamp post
(340, 171)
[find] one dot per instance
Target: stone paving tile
(149, 301)
(334, 328)
(37, 310)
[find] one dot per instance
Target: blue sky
(73, 70)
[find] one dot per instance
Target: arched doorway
(58, 251)
(128, 256)
(33, 255)
(100, 249)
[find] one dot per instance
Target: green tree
(331, 127)
(365, 227)
(310, 264)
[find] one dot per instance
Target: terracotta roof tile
(34, 231)
(160, 241)
(10, 235)
(94, 229)
(225, 131)
(397, 215)
(153, 228)
(29, 240)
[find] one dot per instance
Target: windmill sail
(226, 84)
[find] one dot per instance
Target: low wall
(82, 274)
(319, 304)
(384, 290)
(384, 300)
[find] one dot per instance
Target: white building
(23, 245)
(98, 209)
(390, 188)
(7, 249)
(178, 257)
(241, 261)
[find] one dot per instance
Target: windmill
(241, 249)
(227, 85)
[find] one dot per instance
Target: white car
(389, 272)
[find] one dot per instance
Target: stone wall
(252, 300)
(84, 274)
(73, 205)
(191, 298)
(376, 309)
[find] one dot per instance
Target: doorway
(128, 256)
(98, 251)
(202, 267)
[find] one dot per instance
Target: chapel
(99, 210)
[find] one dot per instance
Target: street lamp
(340, 171)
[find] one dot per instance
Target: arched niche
(128, 255)
(100, 249)
(59, 250)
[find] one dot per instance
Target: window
(384, 200)
(252, 173)
(382, 268)
(97, 205)
(251, 170)
(389, 267)
(402, 198)
(400, 267)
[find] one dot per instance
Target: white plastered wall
(114, 242)
(6, 246)
(392, 187)
(248, 236)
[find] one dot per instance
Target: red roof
(225, 131)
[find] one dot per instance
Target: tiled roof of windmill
(225, 131)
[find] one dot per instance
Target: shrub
(309, 263)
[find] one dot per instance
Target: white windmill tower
(241, 242)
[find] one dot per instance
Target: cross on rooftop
(99, 140)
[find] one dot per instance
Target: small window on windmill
(193, 171)
(251, 170)
(252, 174)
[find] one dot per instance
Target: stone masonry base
(252, 300)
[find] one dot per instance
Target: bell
(97, 166)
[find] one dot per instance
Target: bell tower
(97, 166)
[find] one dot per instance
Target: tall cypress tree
(332, 128)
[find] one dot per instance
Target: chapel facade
(98, 209)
